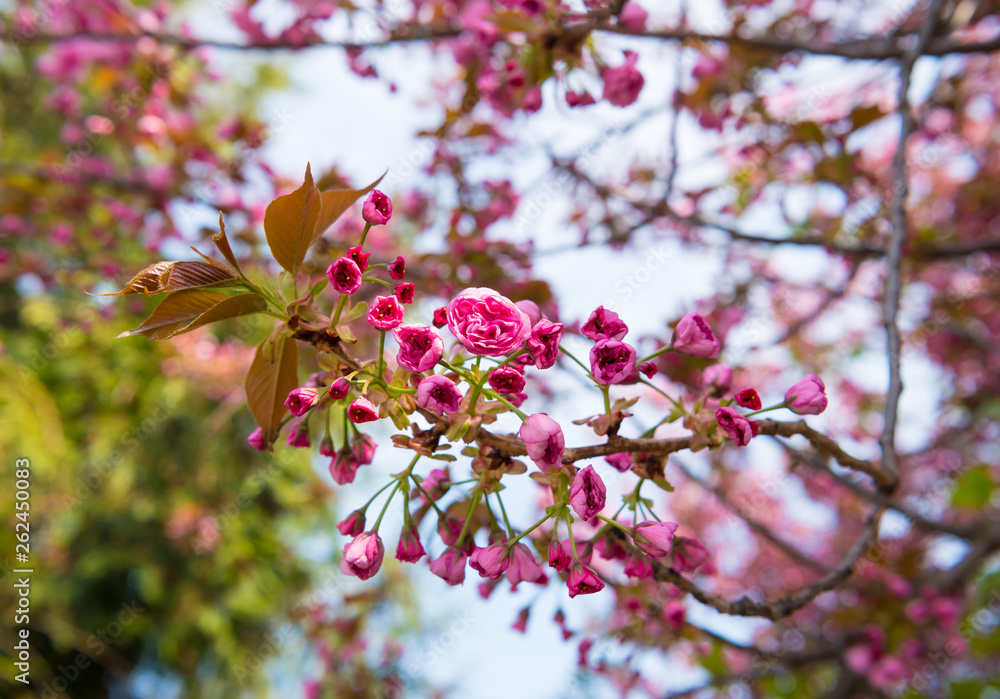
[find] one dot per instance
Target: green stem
(527, 531)
(503, 511)
(654, 355)
(606, 390)
(426, 495)
(377, 493)
(381, 353)
(572, 539)
(340, 308)
(364, 233)
(468, 517)
(385, 507)
(615, 524)
(582, 365)
(376, 280)
(662, 393)
(783, 404)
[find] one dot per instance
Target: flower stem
(503, 511)
(654, 355)
(385, 507)
(527, 531)
(381, 353)
(364, 234)
(783, 404)
(661, 392)
(340, 308)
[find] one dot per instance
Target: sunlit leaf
(176, 312)
(222, 243)
(174, 276)
(272, 376)
(231, 307)
(290, 223)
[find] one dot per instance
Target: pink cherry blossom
(487, 323)
(654, 538)
(344, 275)
(420, 347)
(689, 554)
(583, 581)
(385, 313)
(397, 268)
(807, 396)
(740, 429)
(377, 209)
(523, 567)
(301, 400)
(604, 325)
(362, 410)
(587, 494)
(490, 562)
(409, 549)
(506, 380)
(363, 556)
(353, 524)
(748, 398)
(544, 440)
(450, 567)
(694, 336)
(612, 361)
(543, 344)
(623, 84)
(438, 394)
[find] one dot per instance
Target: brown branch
(401, 33)
(963, 531)
(762, 530)
(783, 606)
(894, 253)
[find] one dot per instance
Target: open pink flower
(438, 394)
(543, 344)
(377, 209)
(604, 325)
(490, 562)
(587, 494)
(583, 581)
(740, 429)
(748, 398)
(612, 361)
(301, 400)
(404, 292)
(693, 335)
(623, 84)
(654, 538)
(440, 317)
(487, 323)
(362, 410)
(397, 268)
(385, 313)
(363, 556)
(807, 396)
(506, 380)
(531, 309)
(560, 557)
(689, 554)
(344, 275)
(339, 388)
(544, 440)
(450, 567)
(420, 347)
(360, 258)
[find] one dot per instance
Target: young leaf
(290, 224)
(272, 376)
(176, 312)
(231, 307)
(222, 243)
(335, 203)
(174, 276)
